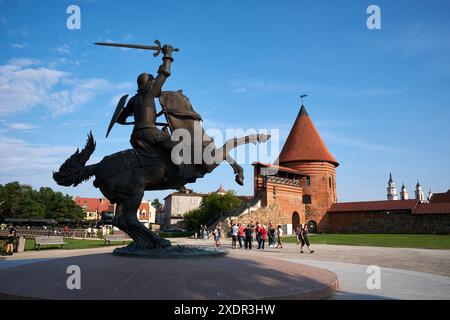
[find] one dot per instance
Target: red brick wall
(287, 199)
(322, 189)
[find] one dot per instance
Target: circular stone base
(173, 252)
(109, 277)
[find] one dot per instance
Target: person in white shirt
(234, 235)
(279, 235)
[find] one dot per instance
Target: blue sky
(380, 98)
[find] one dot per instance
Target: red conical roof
(304, 143)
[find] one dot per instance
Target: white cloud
(63, 49)
(19, 45)
(240, 90)
(22, 87)
(354, 143)
(20, 159)
(243, 84)
(25, 85)
(21, 126)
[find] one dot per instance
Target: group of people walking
(246, 234)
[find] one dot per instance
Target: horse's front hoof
(239, 179)
(262, 137)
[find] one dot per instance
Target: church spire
(404, 195)
(391, 189)
(419, 193)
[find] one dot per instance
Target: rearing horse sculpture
(124, 176)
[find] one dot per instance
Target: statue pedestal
(172, 252)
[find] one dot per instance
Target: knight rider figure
(142, 106)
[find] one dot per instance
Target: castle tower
(404, 195)
(419, 193)
(391, 189)
(221, 190)
(305, 152)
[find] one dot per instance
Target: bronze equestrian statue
(123, 177)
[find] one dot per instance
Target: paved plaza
(405, 273)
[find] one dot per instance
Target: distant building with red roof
(94, 208)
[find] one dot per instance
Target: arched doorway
(312, 226)
(295, 221)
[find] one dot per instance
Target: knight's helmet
(143, 79)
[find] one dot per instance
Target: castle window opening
(306, 199)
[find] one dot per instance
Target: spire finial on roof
(303, 96)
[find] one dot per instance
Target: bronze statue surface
(123, 177)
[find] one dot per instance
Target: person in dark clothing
(10, 241)
(248, 236)
(305, 239)
(258, 234)
(272, 232)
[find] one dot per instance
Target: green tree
(212, 205)
(156, 204)
(22, 201)
(30, 208)
(11, 195)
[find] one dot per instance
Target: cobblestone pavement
(420, 260)
(404, 273)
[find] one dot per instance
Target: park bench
(49, 240)
(118, 237)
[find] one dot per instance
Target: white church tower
(419, 193)
(430, 195)
(391, 189)
(404, 195)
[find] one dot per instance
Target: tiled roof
(184, 194)
(94, 204)
(440, 197)
(385, 205)
(245, 198)
(144, 206)
(304, 143)
(433, 208)
(413, 206)
(280, 168)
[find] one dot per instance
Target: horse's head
(181, 115)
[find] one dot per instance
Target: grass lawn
(72, 244)
(426, 241)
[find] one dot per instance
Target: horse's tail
(74, 170)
